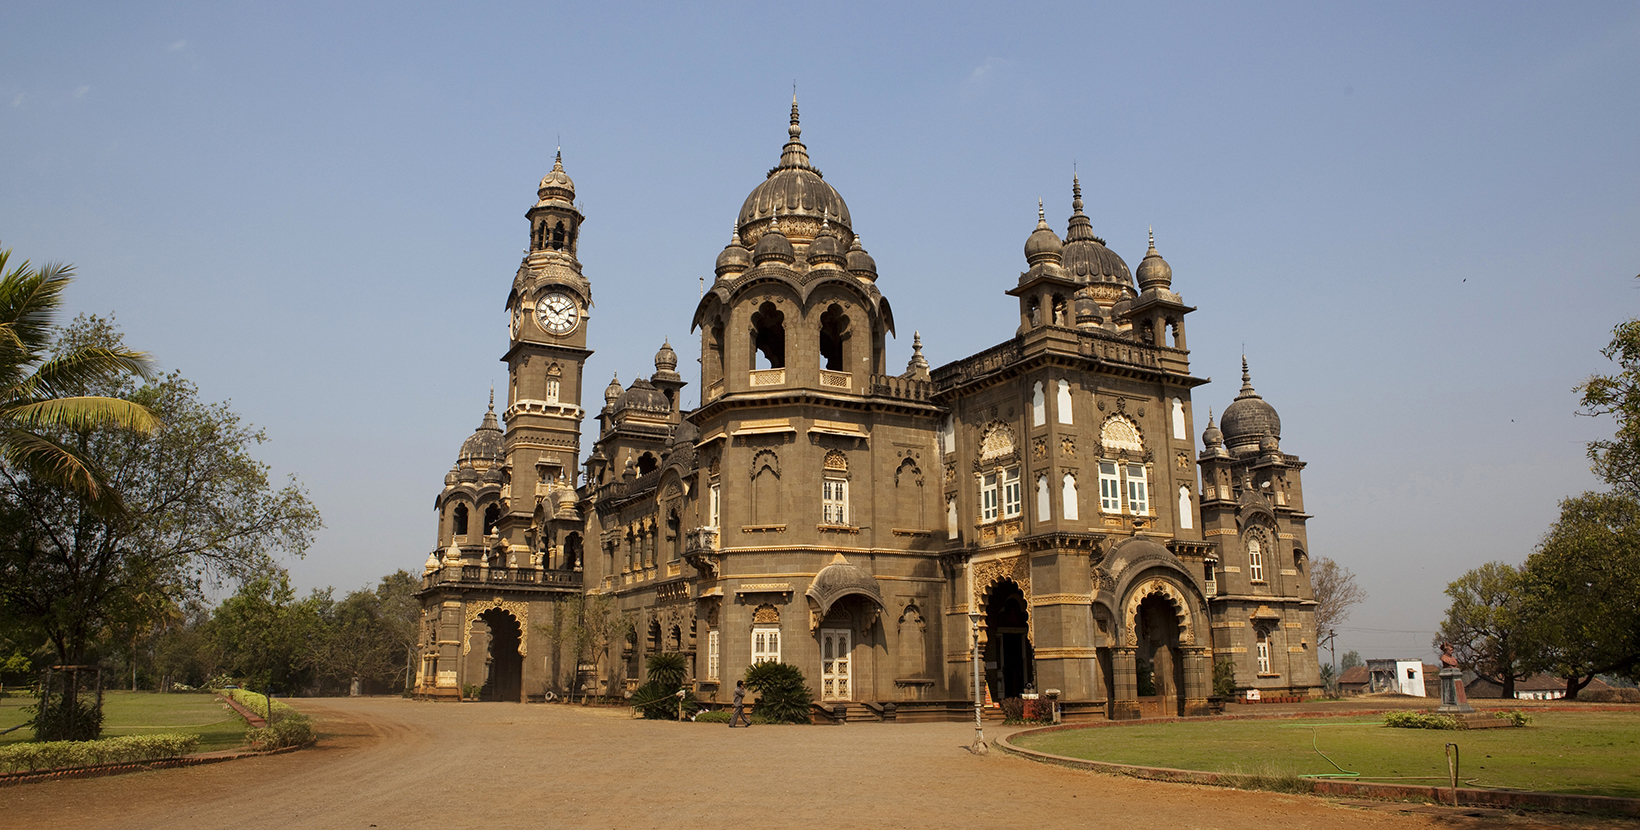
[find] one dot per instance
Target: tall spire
(917, 367)
(1246, 382)
(1080, 228)
(794, 154)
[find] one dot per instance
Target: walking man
(740, 705)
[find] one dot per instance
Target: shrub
(782, 695)
(1013, 710)
(657, 698)
(127, 749)
(1224, 678)
(1421, 720)
(1514, 716)
(718, 716)
(1610, 696)
(293, 729)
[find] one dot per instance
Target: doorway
(836, 665)
(1009, 658)
(504, 671)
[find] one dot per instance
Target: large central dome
(797, 193)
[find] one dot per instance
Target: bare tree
(1335, 593)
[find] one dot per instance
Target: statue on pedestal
(1453, 698)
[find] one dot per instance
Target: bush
(1224, 678)
(1610, 696)
(128, 749)
(1013, 709)
(717, 716)
(1421, 720)
(1514, 716)
(783, 697)
(293, 729)
(657, 699)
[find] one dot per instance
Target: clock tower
(547, 323)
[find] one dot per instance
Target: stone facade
(1043, 497)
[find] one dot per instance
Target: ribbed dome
(825, 249)
(735, 259)
(484, 445)
(1154, 272)
(666, 360)
(1249, 418)
(1212, 440)
(643, 397)
(840, 579)
(794, 188)
(773, 246)
(613, 391)
(557, 186)
(1085, 256)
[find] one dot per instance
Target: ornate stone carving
(1039, 449)
(766, 614)
(1157, 586)
(519, 611)
(1067, 447)
(996, 442)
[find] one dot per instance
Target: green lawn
(147, 713)
(1595, 753)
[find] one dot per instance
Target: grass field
(147, 713)
(1595, 753)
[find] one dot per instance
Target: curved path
(393, 763)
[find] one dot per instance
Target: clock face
(557, 313)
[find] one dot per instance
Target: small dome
(685, 433)
(1043, 244)
(825, 249)
(432, 562)
(566, 498)
(666, 360)
(613, 391)
(1154, 272)
(1249, 418)
(484, 445)
(860, 263)
(773, 246)
(643, 397)
(735, 259)
(453, 476)
(466, 474)
(557, 186)
(1213, 440)
(1269, 445)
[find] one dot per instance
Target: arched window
(833, 334)
(647, 463)
(492, 514)
(459, 525)
(1070, 508)
(1063, 403)
(558, 237)
(572, 552)
(768, 338)
(1255, 558)
(1039, 405)
(674, 536)
(1263, 651)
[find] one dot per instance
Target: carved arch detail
(518, 610)
(1156, 586)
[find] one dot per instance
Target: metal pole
(979, 747)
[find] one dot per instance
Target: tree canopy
(1581, 592)
(1485, 624)
(1617, 459)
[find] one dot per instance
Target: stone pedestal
(1453, 699)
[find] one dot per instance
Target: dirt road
(391, 763)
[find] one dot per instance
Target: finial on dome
(917, 367)
(492, 397)
(1152, 229)
(795, 129)
(1040, 215)
(1076, 193)
(1246, 382)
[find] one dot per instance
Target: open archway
(504, 668)
(1008, 643)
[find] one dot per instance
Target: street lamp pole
(979, 747)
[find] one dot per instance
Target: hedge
(127, 749)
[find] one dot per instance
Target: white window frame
(1110, 488)
(1138, 490)
(765, 644)
(1071, 509)
(714, 505)
(834, 501)
(712, 655)
(988, 497)
(552, 390)
(1263, 653)
(1013, 497)
(1255, 559)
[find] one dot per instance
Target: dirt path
(391, 763)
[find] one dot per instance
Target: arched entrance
(1159, 664)
(1009, 661)
(504, 670)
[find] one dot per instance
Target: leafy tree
(400, 617)
(1335, 594)
(1582, 592)
(782, 695)
(196, 504)
(658, 698)
(1484, 624)
(1350, 660)
(266, 636)
(47, 392)
(1617, 460)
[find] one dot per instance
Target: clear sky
(1419, 220)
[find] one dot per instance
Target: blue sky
(1419, 220)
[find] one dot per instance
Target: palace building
(1045, 497)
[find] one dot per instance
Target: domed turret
(557, 186)
(860, 263)
(1085, 257)
(1213, 440)
(735, 259)
(825, 251)
(773, 247)
(1043, 244)
(666, 360)
(795, 189)
(483, 447)
(613, 391)
(1154, 272)
(643, 397)
(1248, 418)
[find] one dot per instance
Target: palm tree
(40, 390)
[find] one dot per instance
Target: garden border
(10, 779)
(1461, 796)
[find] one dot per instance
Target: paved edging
(1465, 796)
(14, 778)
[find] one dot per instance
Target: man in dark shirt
(740, 705)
